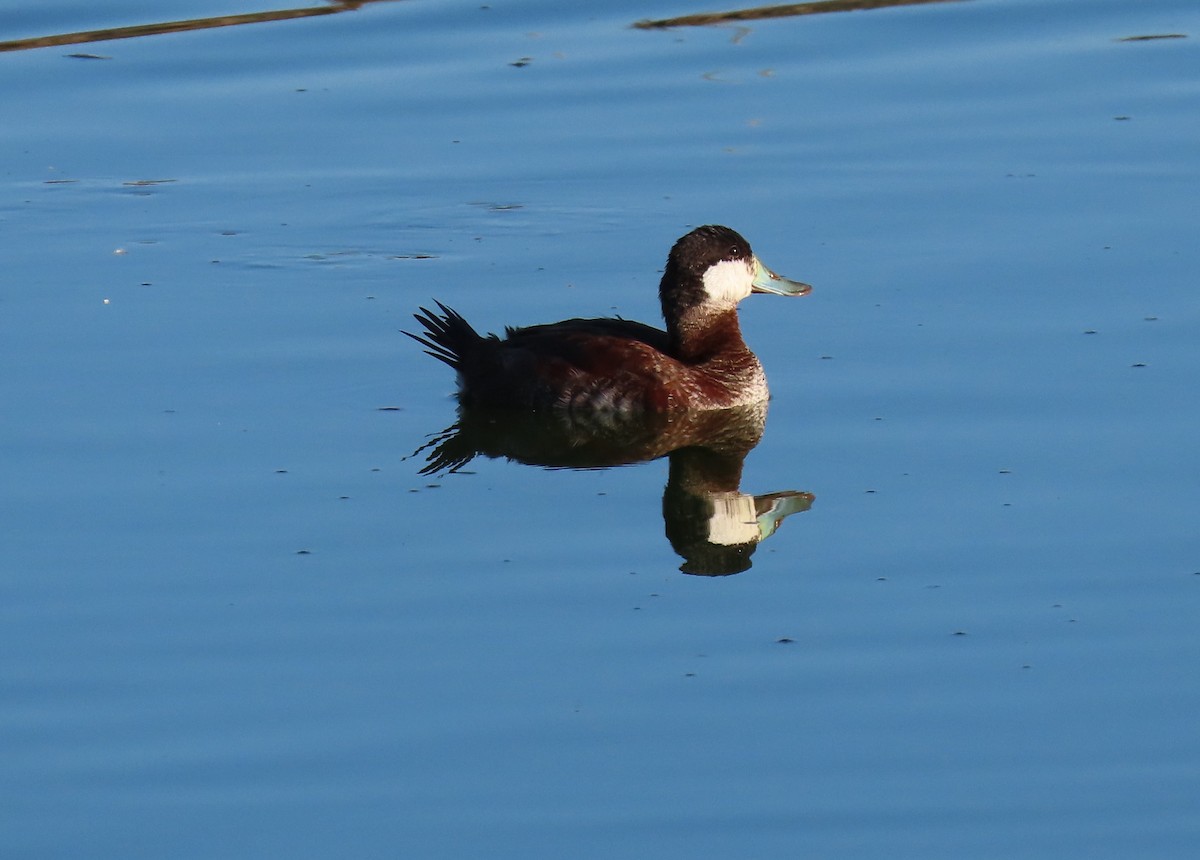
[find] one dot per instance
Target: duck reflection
(710, 522)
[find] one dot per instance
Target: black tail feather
(448, 337)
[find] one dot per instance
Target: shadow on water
(333, 7)
(787, 10)
(138, 30)
(709, 522)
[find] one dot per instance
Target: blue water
(235, 620)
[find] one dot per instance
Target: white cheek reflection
(729, 281)
(734, 520)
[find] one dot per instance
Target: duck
(614, 365)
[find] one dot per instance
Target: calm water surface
(237, 621)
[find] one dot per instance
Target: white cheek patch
(729, 281)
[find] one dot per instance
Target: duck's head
(711, 269)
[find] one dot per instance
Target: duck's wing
(586, 342)
(588, 362)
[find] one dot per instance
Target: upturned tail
(448, 337)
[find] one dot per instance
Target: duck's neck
(697, 335)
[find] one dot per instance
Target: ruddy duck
(606, 365)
